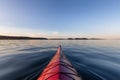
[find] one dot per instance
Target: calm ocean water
(93, 59)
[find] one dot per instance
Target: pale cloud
(34, 34)
(55, 33)
(13, 31)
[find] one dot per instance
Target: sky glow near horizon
(60, 18)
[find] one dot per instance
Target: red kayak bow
(59, 68)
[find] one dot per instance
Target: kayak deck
(59, 68)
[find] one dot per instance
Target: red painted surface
(59, 68)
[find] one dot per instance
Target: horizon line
(95, 38)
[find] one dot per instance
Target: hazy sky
(60, 18)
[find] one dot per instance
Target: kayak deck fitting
(59, 68)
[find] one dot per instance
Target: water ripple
(93, 60)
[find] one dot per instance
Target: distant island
(75, 39)
(39, 38)
(20, 38)
(84, 39)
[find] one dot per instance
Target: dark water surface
(93, 59)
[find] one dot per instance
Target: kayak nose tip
(60, 46)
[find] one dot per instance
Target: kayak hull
(59, 68)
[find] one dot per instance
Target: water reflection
(25, 59)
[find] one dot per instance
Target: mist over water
(93, 59)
